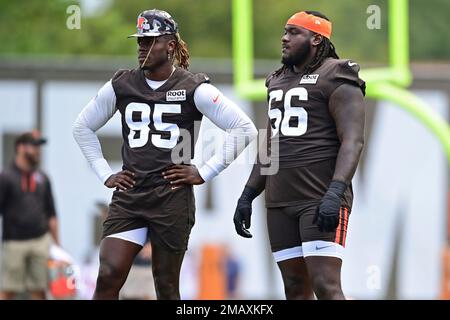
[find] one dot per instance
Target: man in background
(29, 221)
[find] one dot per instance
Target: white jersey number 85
(143, 128)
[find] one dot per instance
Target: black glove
(243, 213)
(327, 213)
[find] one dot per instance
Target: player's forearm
(347, 159)
(256, 180)
(90, 147)
(225, 114)
(347, 108)
(94, 116)
(236, 141)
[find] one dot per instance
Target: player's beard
(298, 57)
(146, 67)
(152, 66)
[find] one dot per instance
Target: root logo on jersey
(309, 79)
(176, 95)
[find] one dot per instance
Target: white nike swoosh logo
(351, 64)
(320, 248)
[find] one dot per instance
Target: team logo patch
(309, 79)
(142, 24)
(176, 95)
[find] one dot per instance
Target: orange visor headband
(312, 23)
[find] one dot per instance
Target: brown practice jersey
(158, 126)
(304, 142)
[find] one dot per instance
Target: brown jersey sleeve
(119, 73)
(202, 78)
(345, 71)
(267, 82)
(197, 79)
(269, 77)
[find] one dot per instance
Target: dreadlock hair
(324, 50)
(181, 53)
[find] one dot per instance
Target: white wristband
(102, 169)
(211, 168)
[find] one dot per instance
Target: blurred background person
(29, 221)
(233, 272)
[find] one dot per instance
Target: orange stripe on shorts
(337, 239)
(345, 226)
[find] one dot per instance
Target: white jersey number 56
(289, 112)
(141, 125)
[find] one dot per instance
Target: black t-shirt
(302, 125)
(26, 203)
(168, 113)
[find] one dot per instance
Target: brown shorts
(300, 185)
(168, 214)
(292, 226)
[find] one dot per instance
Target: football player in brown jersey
(316, 122)
(159, 103)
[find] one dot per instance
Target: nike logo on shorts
(323, 247)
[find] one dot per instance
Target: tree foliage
(38, 27)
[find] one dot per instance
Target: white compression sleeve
(94, 116)
(225, 114)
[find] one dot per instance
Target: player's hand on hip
(327, 213)
(122, 180)
(179, 174)
(243, 214)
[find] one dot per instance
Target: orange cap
(312, 23)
